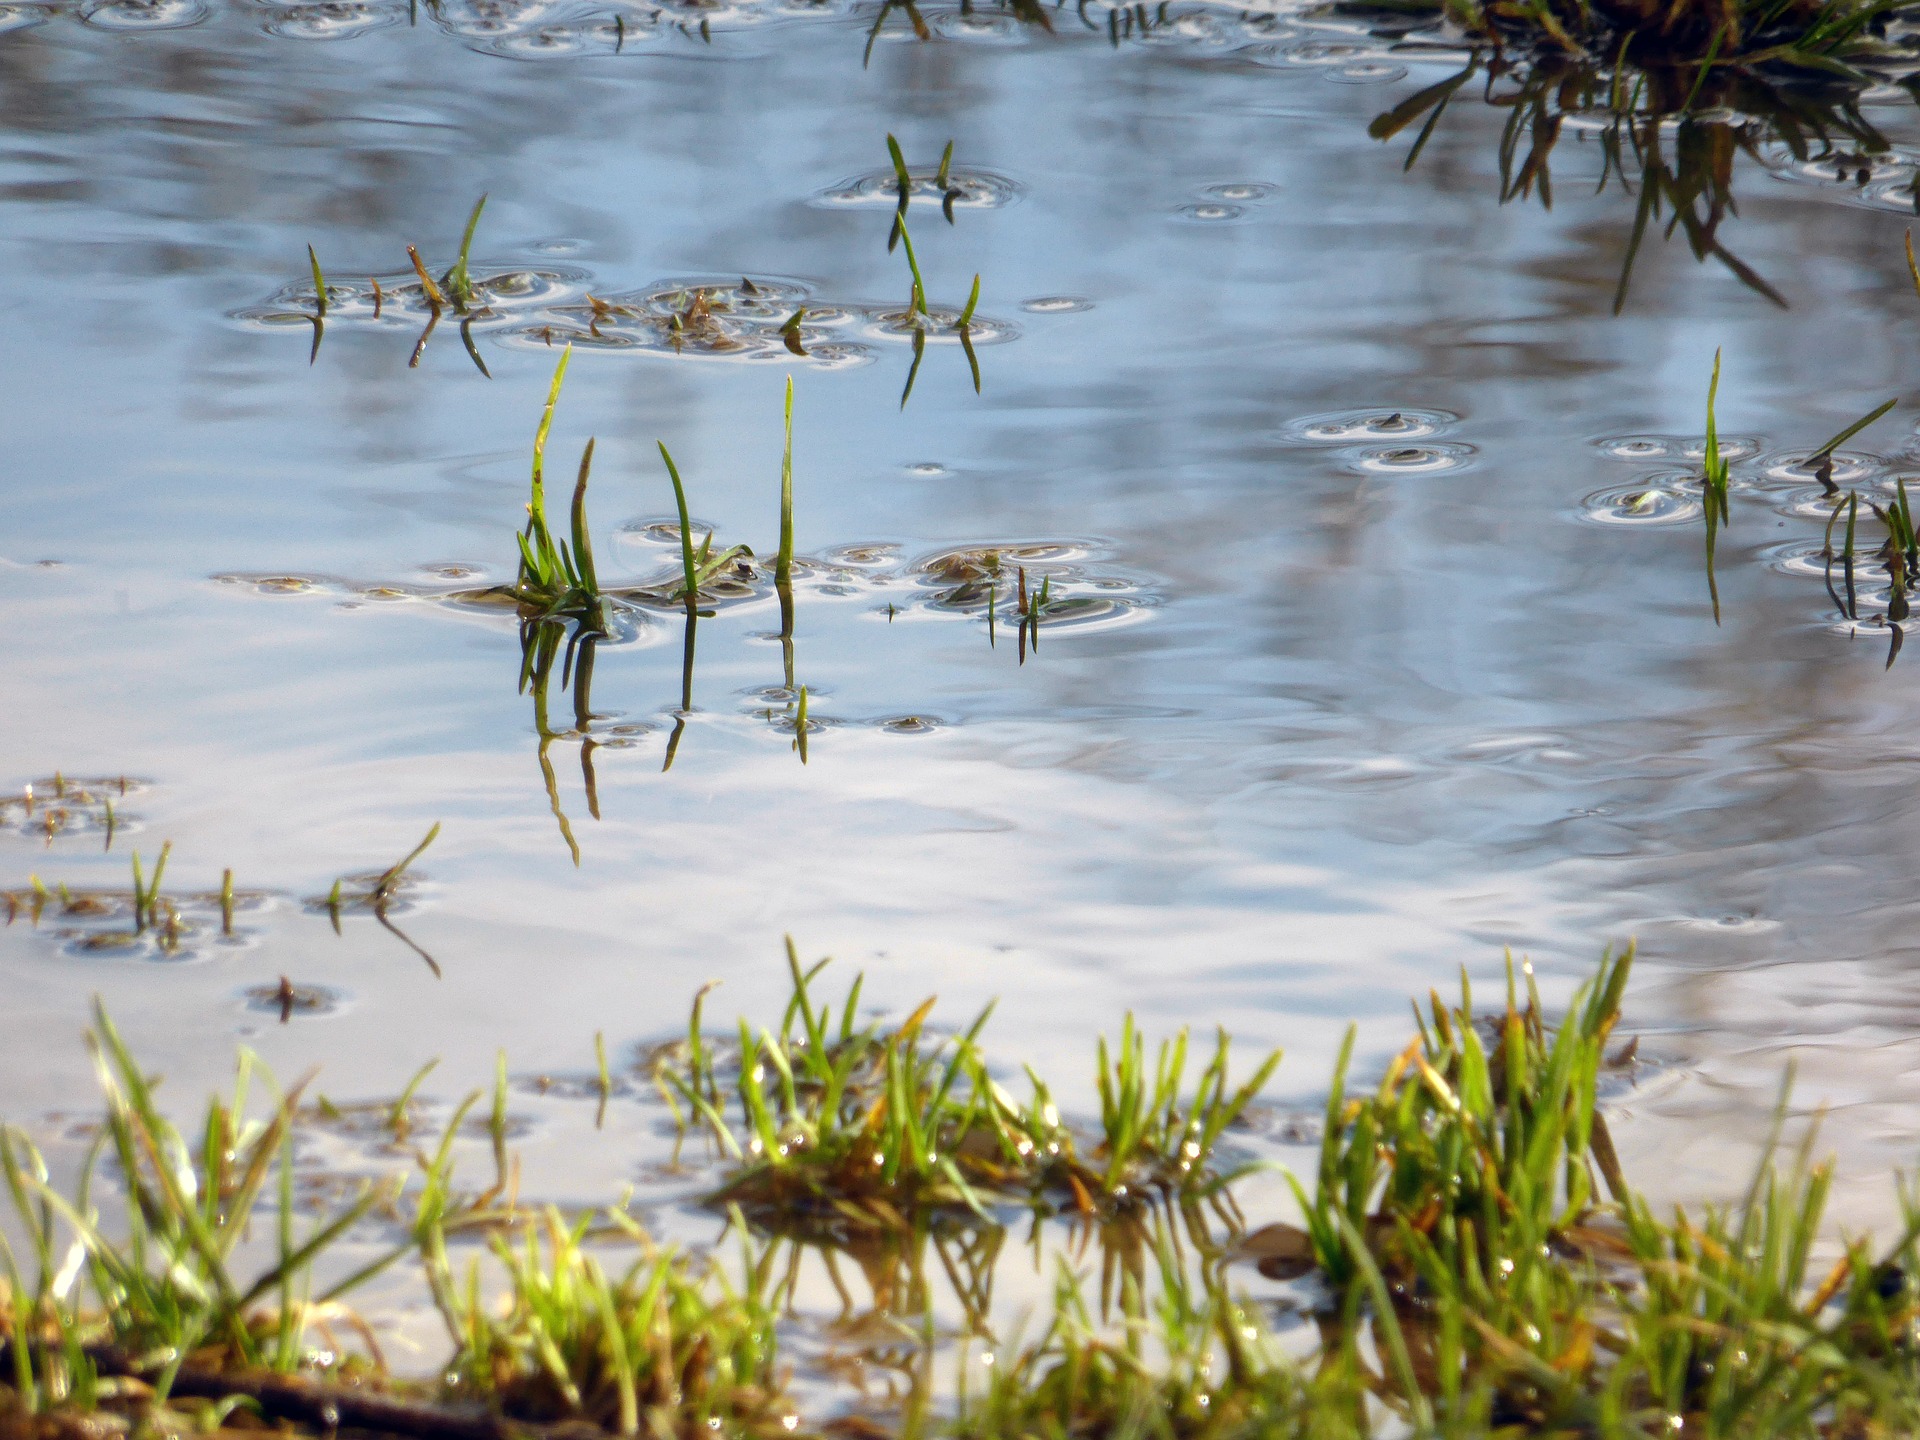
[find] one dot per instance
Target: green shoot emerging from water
(700, 565)
(835, 1124)
(457, 280)
(783, 561)
(1716, 481)
(558, 580)
(319, 283)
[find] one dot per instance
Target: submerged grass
(1474, 1259)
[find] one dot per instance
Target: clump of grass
(1187, 1359)
(1484, 1267)
(834, 1124)
(147, 901)
(667, 1347)
(166, 1291)
(149, 912)
(557, 580)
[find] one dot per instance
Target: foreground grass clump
(163, 1292)
(834, 1124)
(1460, 1235)
(1473, 1259)
(667, 1347)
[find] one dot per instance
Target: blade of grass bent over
(1853, 430)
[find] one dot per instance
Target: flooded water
(1378, 636)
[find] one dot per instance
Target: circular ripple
(1807, 560)
(969, 562)
(1313, 52)
(1346, 426)
(1641, 505)
(939, 324)
(760, 297)
(19, 17)
(880, 190)
(1080, 613)
(910, 724)
(482, 19)
(1678, 447)
(1209, 212)
(290, 1001)
(980, 28)
(1368, 72)
(1850, 467)
(1410, 459)
(1197, 29)
(1055, 305)
(332, 21)
(1241, 192)
(565, 42)
(865, 556)
(505, 292)
(144, 14)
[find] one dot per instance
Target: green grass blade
(783, 563)
(692, 586)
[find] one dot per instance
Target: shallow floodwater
(1373, 656)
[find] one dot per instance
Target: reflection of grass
(1671, 133)
(1680, 43)
(1481, 1265)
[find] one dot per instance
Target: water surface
(1364, 693)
